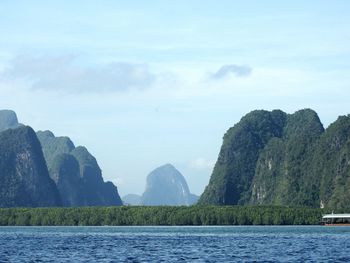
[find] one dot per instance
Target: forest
(161, 216)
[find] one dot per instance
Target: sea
(175, 244)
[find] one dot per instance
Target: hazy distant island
(268, 159)
(165, 186)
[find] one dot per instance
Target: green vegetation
(332, 164)
(161, 215)
(282, 175)
(234, 170)
(274, 158)
(267, 159)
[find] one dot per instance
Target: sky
(145, 83)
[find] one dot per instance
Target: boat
(336, 220)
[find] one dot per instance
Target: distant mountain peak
(8, 120)
(166, 186)
(46, 133)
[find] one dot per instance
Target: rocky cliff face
(282, 159)
(53, 146)
(166, 186)
(97, 192)
(24, 178)
(76, 173)
(64, 170)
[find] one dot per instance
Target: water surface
(174, 244)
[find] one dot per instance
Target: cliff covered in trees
(274, 158)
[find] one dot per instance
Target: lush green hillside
(162, 215)
(274, 158)
(235, 167)
(24, 178)
(331, 164)
(282, 175)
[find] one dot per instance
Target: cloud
(236, 70)
(202, 164)
(118, 181)
(64, 73)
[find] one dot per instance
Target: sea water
(175, 244)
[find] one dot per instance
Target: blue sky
(143, 83)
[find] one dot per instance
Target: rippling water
(169, 244)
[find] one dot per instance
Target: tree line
(160, 215)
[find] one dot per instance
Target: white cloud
(63, 73)
(118, 181)
(236, 70)
(202, 164)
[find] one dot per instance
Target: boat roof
(337, 216)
